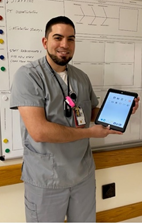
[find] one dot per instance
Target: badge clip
(70, 101)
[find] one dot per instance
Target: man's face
(60, 44)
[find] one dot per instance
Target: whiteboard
(108, 49)
(11, 136)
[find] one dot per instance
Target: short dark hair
(58, 20)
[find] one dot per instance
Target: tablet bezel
(135, 95)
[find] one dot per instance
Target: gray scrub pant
(78, 203)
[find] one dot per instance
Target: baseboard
(10, 174)
(120, 214)
(106, 159)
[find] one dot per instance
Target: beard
(62, 62)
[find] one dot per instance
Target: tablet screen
(116, 109)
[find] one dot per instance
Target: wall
(12, 203)
(12, 199)
(128, 181)
(127, 192)
(99, 40)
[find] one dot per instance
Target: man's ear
(44, 42)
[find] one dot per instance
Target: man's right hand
(99, 131)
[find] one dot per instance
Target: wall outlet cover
(108, 190)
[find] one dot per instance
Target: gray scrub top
(53, 165)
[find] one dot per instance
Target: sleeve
(93, 97)
(27, 89)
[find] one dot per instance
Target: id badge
(79, 117)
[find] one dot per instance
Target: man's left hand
(136, 105)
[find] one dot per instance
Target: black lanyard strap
(53, 72)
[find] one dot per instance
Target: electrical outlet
(108, 190)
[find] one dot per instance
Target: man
(56, 103)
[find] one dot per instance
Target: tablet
(116, 109)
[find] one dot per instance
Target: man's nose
(64, 43)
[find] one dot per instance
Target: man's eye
(57, 38)
(71, 40)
